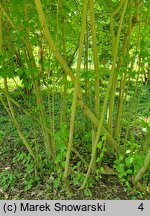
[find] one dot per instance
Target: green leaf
(129, 171)
(103, 137)
(129, 160)
(99, 145)
(98, 159)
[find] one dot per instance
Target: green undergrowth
(19, 173)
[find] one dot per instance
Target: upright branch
(76, 89)
(1, 37)
(64, 104)
(115, 46)
(67, 70)
(95, 56)
(96, 67)
(99, 132)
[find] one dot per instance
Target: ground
(107, 187)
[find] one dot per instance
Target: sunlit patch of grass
(12, 83)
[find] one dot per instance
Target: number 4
(141, 207)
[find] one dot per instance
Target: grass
(12, 83)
